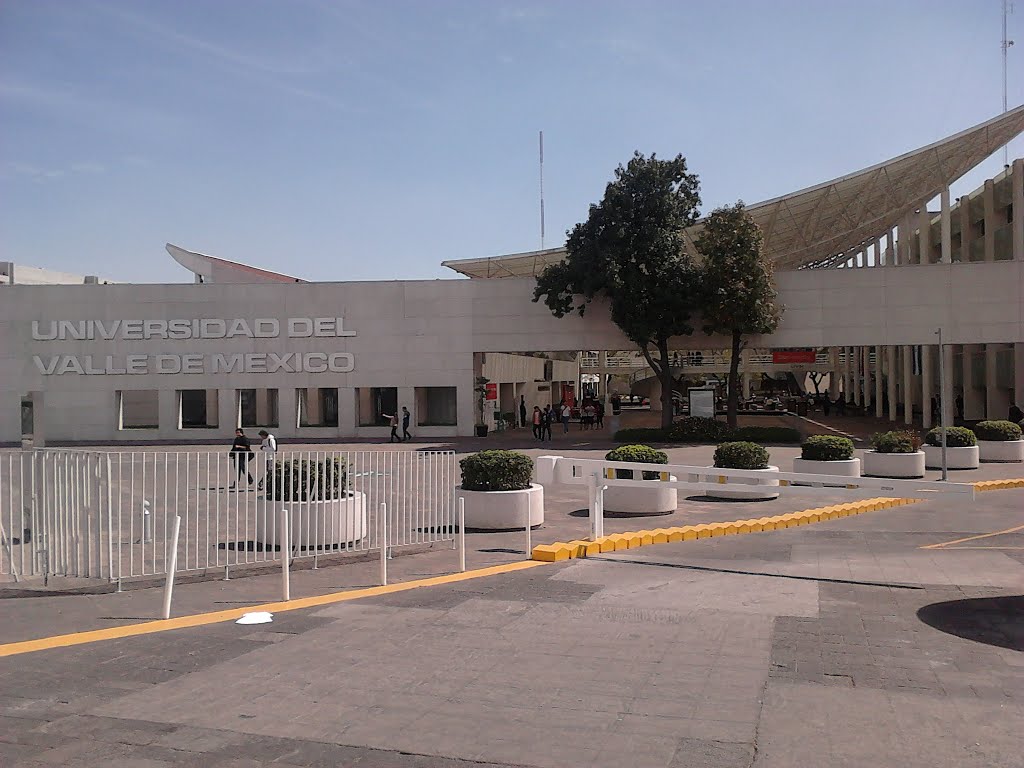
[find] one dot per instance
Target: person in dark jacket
(242, 454)
(406, 416)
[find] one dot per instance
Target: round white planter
(503, 510)
(755, 494)
(315, 524)
(650, 498)
(964, 457)
(841, 468)
(1001, 450)
(906, 465)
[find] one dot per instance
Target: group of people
(591, 416)
(393, 423)
(242, 453)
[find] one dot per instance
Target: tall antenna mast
(542, 187)
(1005, 45)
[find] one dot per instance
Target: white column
(926, 386)
(997, 399)
(878, 382)
(925, 235)
(227, 411)
(169, 412)
(890, 379)
(908, 387)
(1018, 374)
(856, 374)
(948, 409)
(890, 248)
(287, 409)
(945, 228)
(988, 197)
(846, 374)
(833, 376)
(866, 371)
(974, 403)
(966, 235)
(1017, 197)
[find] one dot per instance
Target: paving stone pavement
(837, 644)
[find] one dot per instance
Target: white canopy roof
(814, 225)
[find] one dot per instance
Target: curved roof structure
(814, 226)
(210, 269)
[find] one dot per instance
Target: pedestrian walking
(546, 423)
(599, 414)
(393, 422)
(241, 454)
(566, 413)
(522, 410)
(406, 416)
(269, 450)
(537, 417)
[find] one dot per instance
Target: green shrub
(323, 479)
(641, 454)
(896, 442)
(699, 429)
(827, 448)
(996, 430)
(496, 471)
(766, 434)
(647, 434)
(956, 437)
(741, 455)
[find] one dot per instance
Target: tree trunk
(734, 381)
(663, 370)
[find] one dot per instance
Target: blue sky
(371, 140)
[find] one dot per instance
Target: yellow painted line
(971, 538)
(216, 617)
(959, 548)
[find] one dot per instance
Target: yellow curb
(677, 534)
(552, 553)
(703, 531)
(689, 533)
(607, 544)
(583, 548)
(659, 536)
(716, 529)
(232, 614)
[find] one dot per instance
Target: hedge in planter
(896, 442)
(956, 437)
(323, 479)
(496, 471)
(641, 454)
(827, 448)
(741, 455)
(698, 429)
(756, 434)
(996, 431)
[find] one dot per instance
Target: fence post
(592, 505)
(171, 568)
(382, 535)
(286, 587)
(529, 532)
(599, 506)
(462, 534)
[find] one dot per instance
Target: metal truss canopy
(813, 225)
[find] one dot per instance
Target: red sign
(492, 391)
(781, 356)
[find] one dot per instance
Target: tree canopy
(737, 286)
(631, 250)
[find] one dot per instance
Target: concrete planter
(315, 524)
(759, 491)
(503, 510)
(1001, 450)
(841, 468)
(964, 457)
(896, 465)
(651, 498)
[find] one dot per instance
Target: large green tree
(737, 286)
(631, 251)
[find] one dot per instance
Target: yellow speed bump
(552, 553)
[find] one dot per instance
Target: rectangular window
(375, 404)
(198, 408)
(317, 407)
(436, 407)
(138, 409)
(257, 408)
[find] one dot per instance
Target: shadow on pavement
(995, 621)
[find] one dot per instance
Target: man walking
(522, 410)
(538, 417)
(546, 423)
(269, 450)
(241, 453)
(406, 416)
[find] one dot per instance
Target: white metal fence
(110, 515)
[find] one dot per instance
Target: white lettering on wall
(194, 329)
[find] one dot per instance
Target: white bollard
(599, 505)
(147, 523)
(592, 506)
(286, 551)
(172, 566)
(382, 529)
(462, 534)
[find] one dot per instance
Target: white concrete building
(866, 272)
